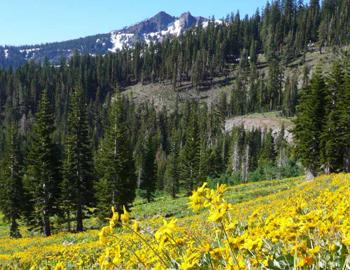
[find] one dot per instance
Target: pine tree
(268, 152)
(345, 117)
(309, 123)
(332, 151)
(253, 54)
(11, 187)
(204, 156)
(115, 165)
(290, 98)
(77, 188)
(148, 175)
(216, 163)
(43, 174)
(275, 84)
(190, 155)
(172, 175)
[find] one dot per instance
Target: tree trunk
(173, 191)
(309, 174)
(14, 232)
(69, 227)
(46, 223)
(79, 219)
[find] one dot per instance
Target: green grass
(162, 206)
(3, 227)
(166, 206)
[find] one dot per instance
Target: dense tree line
(322, 124)
(140, 149)
(70, 141)
(282, 31)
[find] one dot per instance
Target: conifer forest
(80, 142)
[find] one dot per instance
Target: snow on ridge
(29, 53)
(175, 29)
(6, 53)
(29, 50)
(206, 23)
(153, 36)
(99, 41)
(119, 40)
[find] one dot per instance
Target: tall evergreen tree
(77, 188)
(332, 151)
(43, 174)
(12, 199)
(148, 175)
(172, 174)
(345, 116)
(190, 155)
(309, 123)
(115, 165)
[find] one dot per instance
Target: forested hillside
(73, 138)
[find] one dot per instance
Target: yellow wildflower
(103, 234)
(115, 219)
(135, 226)
(217, 213)
(125, 217)
(60, 266)
(168, 228)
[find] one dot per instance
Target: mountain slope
(154, 29)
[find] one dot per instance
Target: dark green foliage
(268, 151)
(172, 172)
(332, 133)
(78, 167)
(157, 148)
(12, 198)
(322, 124)
(310, 122)
(274, 87)
(115, 165)
(345, 116)
(148, 170)
(290, 95)
(190, 154)
(43, 178)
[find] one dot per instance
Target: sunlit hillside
(281, 224)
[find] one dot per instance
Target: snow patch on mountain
(152, 37)
(120, 40)
(205, 24)
(155, 30)
(174, 30)
(152, 30)
(27, 51)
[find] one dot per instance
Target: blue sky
(38, 21)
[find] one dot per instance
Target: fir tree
(190, 155)
(77, 188)
(332, 133)
(12, 199)
(268, 152)
(115, 165)
(148, 175)
(43, 174)
(345, 117)
(309, 123)
(172, 175)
